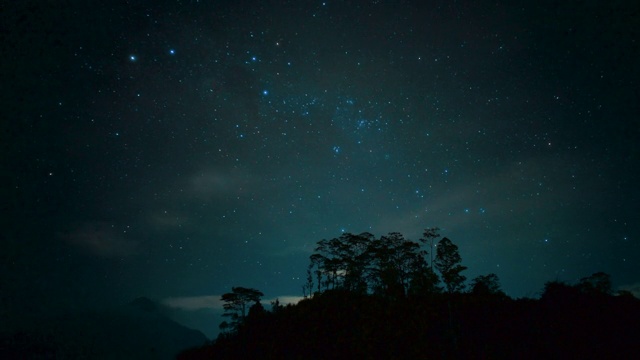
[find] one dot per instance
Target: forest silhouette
(393, 298)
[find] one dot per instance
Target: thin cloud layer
(633, 288)
(101, 239)
(213, 302)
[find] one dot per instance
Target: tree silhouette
(448, 264)
(307, 288)
(626, 294)
(374, 306)
(597, 283)
(395, 261)
(356, 257)
(484, 285)
(391, 266)
(424, 282)
(558, 292)
(429, 235)
(342, 262)
(276, 306)
(224, 328)
(256, 312)
(235, 304)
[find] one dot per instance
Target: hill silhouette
(340, 324)
(369, 298)
(138, 330)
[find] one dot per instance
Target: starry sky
(173, 149)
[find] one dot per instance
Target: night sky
(173, 149)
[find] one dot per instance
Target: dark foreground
(563, 324)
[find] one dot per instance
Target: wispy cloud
(213, 302)
(100, 239)
(285, 299)
(214, 182)
(633, 288)
(166, 219)
(518, 191)
(193, 303)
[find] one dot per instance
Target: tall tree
(428, 236)
(307, 288)
(447, 262)
(356, 258)
(394, 262)
(236, 302)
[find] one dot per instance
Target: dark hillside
(338, 324)
(138, 330)
(379, 298)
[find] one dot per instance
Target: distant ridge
(137, 330)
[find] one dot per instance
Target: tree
(391, 265)
(625, 294)
(307, 288)
(394, 263)
(424, 282)
(355, 259)
(558, 292)
(429, 235)
(257, 312)
(484, 285)
(276, 306)
(224, 328)
(235, 304)
(597, 283)
(448, 264)
(342, 262)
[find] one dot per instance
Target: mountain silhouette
(138, 330)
